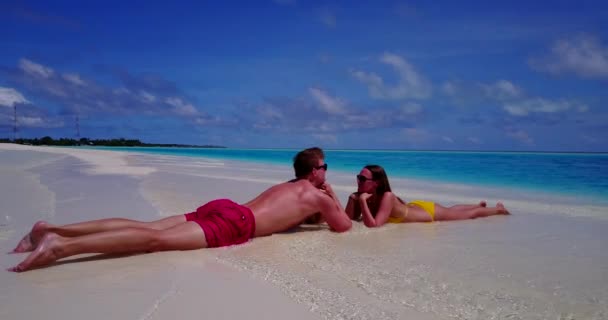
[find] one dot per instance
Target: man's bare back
(288, 204)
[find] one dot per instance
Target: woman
(378, 205)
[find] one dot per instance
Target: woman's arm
(353, 209)
(384, 210)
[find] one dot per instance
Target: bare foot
(501, 208)
(45, 253)
(482, 203)
(30, 240)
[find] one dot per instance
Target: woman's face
(365, 182)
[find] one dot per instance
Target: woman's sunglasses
(362, 178)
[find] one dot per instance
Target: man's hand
(328, 189)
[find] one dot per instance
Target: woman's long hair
(379, 175)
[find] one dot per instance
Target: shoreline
(446, 193)
(598, 199)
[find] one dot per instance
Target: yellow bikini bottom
(427, 206)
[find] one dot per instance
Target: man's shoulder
(301, 187)
(304, 185)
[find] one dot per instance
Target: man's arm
(326, 187)
(353, 209)
(332, 211)
(316, 218)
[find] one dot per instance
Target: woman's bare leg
(40, 228)
(184, 236)
(443, 213)
(469, 206)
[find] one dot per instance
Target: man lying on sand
(215, 224)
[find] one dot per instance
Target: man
(215, 224)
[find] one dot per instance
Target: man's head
(310, 164)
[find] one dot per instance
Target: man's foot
(482, 203)
(501, 208)
(45, 253)
(30, 240)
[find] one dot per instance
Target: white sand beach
(546, 261)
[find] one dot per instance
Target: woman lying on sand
(378, 205)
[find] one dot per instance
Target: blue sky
(289, 74)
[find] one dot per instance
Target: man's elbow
(370, 224)
(343, 227)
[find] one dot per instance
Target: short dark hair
(306, 160)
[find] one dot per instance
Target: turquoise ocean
(580, 175)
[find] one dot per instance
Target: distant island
(48, 141)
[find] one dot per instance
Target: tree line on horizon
(121, 142)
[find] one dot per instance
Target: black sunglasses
(362, 178)
(324, 167)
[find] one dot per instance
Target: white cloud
(147, 97)
(447, 139)
(326, 138)
(474, 140)
(320, 127)
(324, 58)
(539, 105)
(415, 134)
(33, 121)
(208, 120)
(43, 78)
(262, 126)
(35, 69)
(411, 84)
(329, 104)
(583, 55)
(268, 112)
(449, 88)
(10, 97)
(327, 17)
(147, 94)
(508, 96)
(411, 108)
(502, 90)
(74, 79)
(286, 115)
(521, 136)
(119, 91)
(589, 139)
(180, 107)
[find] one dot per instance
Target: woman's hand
(364, 196)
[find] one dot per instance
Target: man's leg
(40, 228)
(185, 236)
